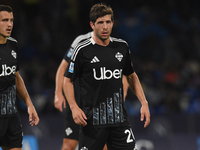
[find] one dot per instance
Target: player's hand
(145, 114)
(59, 101)
(33, 116)
(79, 116)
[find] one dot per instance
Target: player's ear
(112, 23)
(91, 24)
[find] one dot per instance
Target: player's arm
(136, 87)
(78, 115)
(125, 86)
(24, 96)
(59, 99)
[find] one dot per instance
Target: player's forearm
(125, 86)
(69, 92)
(60, 77)
(59, 82)
(22, 91)
(136, 87)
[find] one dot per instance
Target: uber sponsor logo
(14, 54)
(107, 74)
(6, 70)
(71, 67)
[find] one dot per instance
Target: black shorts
(11, 132)
(71, 128)
(116, 138)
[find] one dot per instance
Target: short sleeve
(128, 65)
(74, 67)
(68, 54)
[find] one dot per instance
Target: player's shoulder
(118, 40)
(11, 39)
(83, 44)
(80, 47)
(12, 42)
(81, 38)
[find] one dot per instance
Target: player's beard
(103, 38)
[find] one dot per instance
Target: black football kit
(100, 70)
(10, 127)
(71, 128)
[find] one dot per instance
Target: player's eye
(100, 22)
(5, 20)
(108, 22)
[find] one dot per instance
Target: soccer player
(11, 83)
(99, 63)
(71, 134)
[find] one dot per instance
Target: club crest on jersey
(71, 67)
(14, 54)
(84, 148)
(119, 56)
(69, 54)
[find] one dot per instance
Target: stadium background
(164, 38)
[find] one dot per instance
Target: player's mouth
(105, 33)
(8, 30)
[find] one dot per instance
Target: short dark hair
(100, 10)
(6, 8)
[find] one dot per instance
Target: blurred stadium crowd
(164, 38)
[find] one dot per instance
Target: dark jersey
(9, 65)
(79, 39)
(100, 70)
(67, 57)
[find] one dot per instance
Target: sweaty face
(103, 27)
(6, 23)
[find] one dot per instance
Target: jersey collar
(93, 42)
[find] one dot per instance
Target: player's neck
(3, 40)
(101, 42)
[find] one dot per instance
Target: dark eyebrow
(4, 19)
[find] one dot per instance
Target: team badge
(68, 131)
(119, 56)
(14, 54)
(84, 148)
(71, 67)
